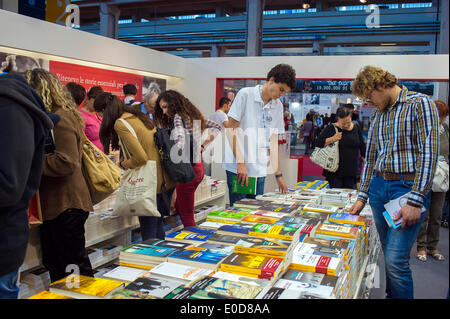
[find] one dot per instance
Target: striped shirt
(178, 132)
(403, 139)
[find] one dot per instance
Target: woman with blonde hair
(64, 194)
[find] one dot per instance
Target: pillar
(253, 41)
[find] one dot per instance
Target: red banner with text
(110, 81)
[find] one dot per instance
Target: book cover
(84, 287)
(255, 219)
(148, 250)
(180, 272)
(223, 239)
(343, 244)
(321, 208)
(259, 265)
(165, 243)
(266, 213)
(147, 287)
(231, 214)
(233, 289)
(263, 246)
(275, 231)
(239, 189)
(181, 293)
(217, 248)
(198, 230)
(314, 263)
(241, 278)
(307, 290)
(236, 229)
(125, 274)
(212, 225)
(348, 219)
(312, 214)
(187, 237)
(337, 230)
(249, 203)
(202, 259)
(48, 295)
(317, 249)
(311, 278)
(392, 209)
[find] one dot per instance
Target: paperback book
(233, 215)
(311, 278)
(145, 255)
(314, 263)
(201, 259)
(348, 219)
(84, 287)
(198, 230)
(179, 272)
(337, 230)
(306, 290)
(147, 287)
(392, 209)
(229, 288)
(239, 229)
(275, 231)
(223, 239)
(238, 188)
(321, 208)
(165, 243)
(186, 237)
(125, 274)
(217, 248)
(317, 249)
(264, 267)
(255, 219)
(269, 247)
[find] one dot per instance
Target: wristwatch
(278, 176)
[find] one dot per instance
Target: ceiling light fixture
(306, 5)
(363, 1)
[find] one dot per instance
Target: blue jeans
(235, 197)
(396, 243)
(8, 286)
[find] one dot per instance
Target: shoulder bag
(137, 192)
(100, 173)
(327, 157)
(180, 170)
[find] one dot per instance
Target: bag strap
(126, 153)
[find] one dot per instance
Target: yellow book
(48, 295)
(135, 266)
(337, 230)
(275, 231)
(84, 287)
(219, 220)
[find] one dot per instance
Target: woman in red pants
(173, 110)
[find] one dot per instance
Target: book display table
(300, 245)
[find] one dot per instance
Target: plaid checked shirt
(404, 139)
(178, 130)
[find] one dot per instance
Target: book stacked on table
(261, 267)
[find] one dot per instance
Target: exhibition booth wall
(196, 78)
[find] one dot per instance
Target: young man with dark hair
(78, 92)
(256, 115)
(401, 157)
(130, 92)
(220, 116)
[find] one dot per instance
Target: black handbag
(182, 171)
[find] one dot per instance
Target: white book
(240, 278)
(307, 290)
(179, 272)
(127, 274)
(212, 225)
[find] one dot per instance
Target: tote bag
(137, 192)
(441, 176)
(100, 173)
(327, 157)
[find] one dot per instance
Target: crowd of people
(44, 124)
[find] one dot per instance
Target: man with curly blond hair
(401, 157)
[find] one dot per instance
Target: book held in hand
(239, 189)
(392, 209)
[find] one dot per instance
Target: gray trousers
(428, 236)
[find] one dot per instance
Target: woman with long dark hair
(350, 143)
(173, 110)
(141, 150)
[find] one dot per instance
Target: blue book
(390, 220)
(199, 230)
(148, 250)
(188, 237)
(237, 229)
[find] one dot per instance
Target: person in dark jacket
(24, 126)
(350, 144)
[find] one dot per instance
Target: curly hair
(283, 73)
(371, 78)
(55, 95)
(442, 108)
(177, 104)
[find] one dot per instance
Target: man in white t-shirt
(220, 116)
(254, 122)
